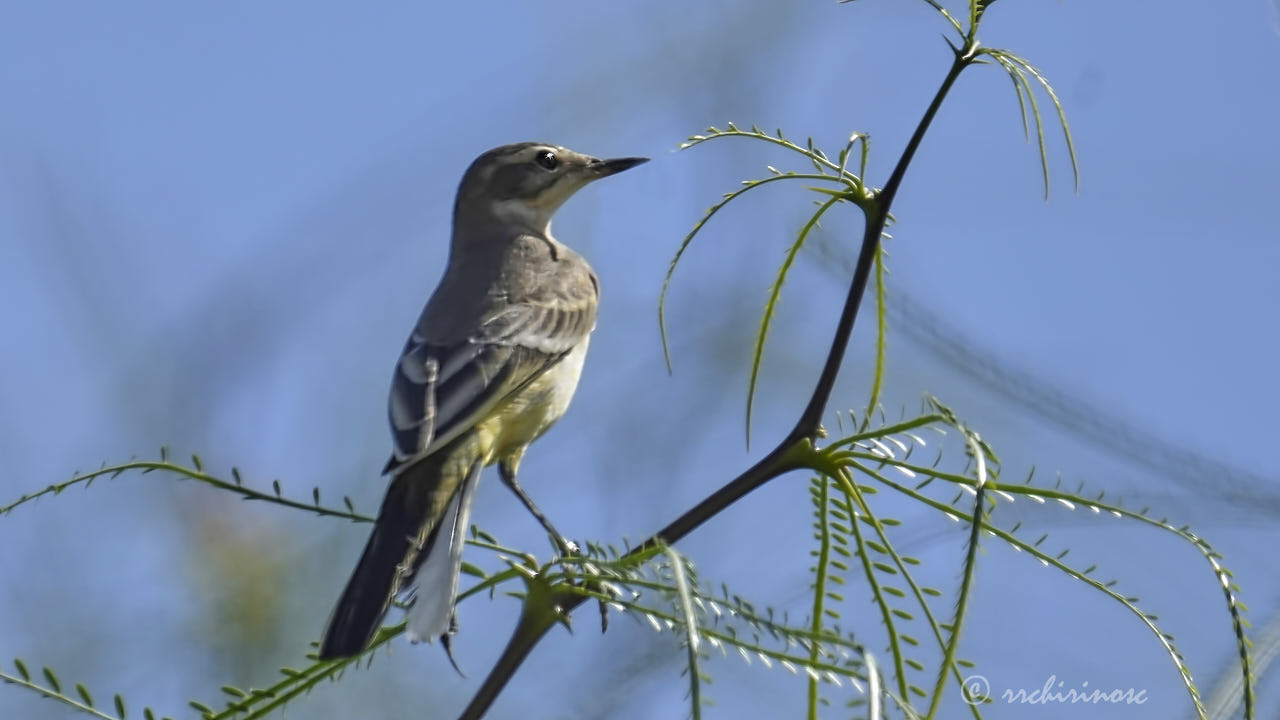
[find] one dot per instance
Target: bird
(491, 364)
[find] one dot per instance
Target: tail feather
(403, 535)
(435, 585)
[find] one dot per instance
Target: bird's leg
(507, 469)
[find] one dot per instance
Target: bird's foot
(569, 549)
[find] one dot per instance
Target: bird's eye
(547, 159)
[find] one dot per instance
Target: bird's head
(525, 183)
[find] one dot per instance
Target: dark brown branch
(780, 460)
(811, 418)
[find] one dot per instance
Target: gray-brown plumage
(492, 363)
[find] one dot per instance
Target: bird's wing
(441, 390)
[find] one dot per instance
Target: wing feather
(441, 390)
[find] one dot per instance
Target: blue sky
(219, 220)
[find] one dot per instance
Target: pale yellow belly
(528, 414)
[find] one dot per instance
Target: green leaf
(52, 680)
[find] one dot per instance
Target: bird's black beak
(604, 168)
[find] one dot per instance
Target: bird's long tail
(422, 526)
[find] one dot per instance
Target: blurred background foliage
(218, 221)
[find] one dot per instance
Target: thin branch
(877, 216)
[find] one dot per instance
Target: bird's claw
(446, 642)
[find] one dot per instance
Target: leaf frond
(748, 185)
(770, 306)
(195, 472)
(51, 688)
